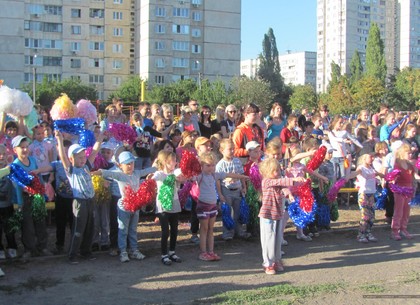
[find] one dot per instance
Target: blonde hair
(274, 145)
(404, 148)
(163, 157)
(220, 113)
(208, 158)
(362, 159)
(185, 109)
(224, 142)
(268, 166)
(380, 145)
(309, 144)
(408, 128)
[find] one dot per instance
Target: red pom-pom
(36, 187)
(147, 192)
(304, 192)
(189, 165)
(317, 159)
(131, 200)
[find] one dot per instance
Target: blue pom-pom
(72, 126)
(380, 199)
(19, 175)
(244, 212)
(415, 201)
(227, 220)
(87, 138)
(299, 217)
(323, 215)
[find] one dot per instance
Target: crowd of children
(228, 157)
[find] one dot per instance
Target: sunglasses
(232, 111)
(194, 104)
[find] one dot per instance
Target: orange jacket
(244, 134)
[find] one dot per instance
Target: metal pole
(199, 80)
(34, 84)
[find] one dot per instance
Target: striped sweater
(272, 194)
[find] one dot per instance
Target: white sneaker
(124, 257)
(11, 253)
(1, 273)
(2, 255)
(284, 242)
(137, 255)
(303, 237)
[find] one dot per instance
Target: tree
(368, 94)
(335, 76)
(303, 96)
(375, 58)
(340, 100)
(269, 68)
(129, 91)
(356, 68)
(407, 86)
(212, 94)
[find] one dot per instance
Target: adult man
(194, 107)
(120, 116)
(146, 113)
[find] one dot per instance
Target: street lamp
(34, 78)
(199, 73)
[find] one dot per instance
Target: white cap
(107, 145)
(126, 157)
(75, 149)
(252, 145)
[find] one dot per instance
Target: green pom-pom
(334, 211)
(166, 192)
(14, 224)
(253, 200)
(39, 211)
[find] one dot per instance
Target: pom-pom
(15, 102)
(184, 193)
(131, 200)
(19, 175)
(255, 177)
(244, 212)
(334, 211)
(415, 201)
(323, 215)
(418, 163)
(380, 198)
(39, 211)
(166, 192)
(123, 133)
(189, 164)
(406, 191)
(73, 126)
(87, 111)
(35, 187)
(317, 158)
(253, 199)
(227, 220)
(87, 138)
(299, 217)
(14, 223)
(147, 192)
(63, 108)
(391, 176)
(102, 192)
(333, 192)
(31, 120)
(99, 161)
(304, 192)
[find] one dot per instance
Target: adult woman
(111, 114)
(156, 110)
(227, 126)
(220, 116)
(275, 122)
(205, 122)
(120, 117)
(186, 122)
(168, 114)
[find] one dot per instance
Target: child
(41, 150)
(404, 179)
(390, 125)
(76, 165)
(206, 206)
(202, 145)
(366, 181)
(288, 132)
(308, 127)
(271, 213)
(317, 131)
(254, 153)
(127, 221)
(168, 215)
(410, 138)
(6, 207)
(231, 190)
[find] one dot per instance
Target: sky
(293, 23)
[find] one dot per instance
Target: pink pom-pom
(99, 162)
(184, 193)
(122, 133)
(87, 111)
(255, 177)
(418, 163)
(63, 108)
(406, 191)
(333, 192)
(391, 176)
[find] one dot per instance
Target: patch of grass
(411, 278)
(85, 278)
(284, 294)
(34, 283)
(372, 288)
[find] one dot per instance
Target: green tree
(340, 100)
(356, 68)
(407, 86)
(303, 96)
(269, 68)
(212, 94)
(335, 75)
(375, 58)
(129, 91)
(368, 93)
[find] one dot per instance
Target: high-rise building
(343, 27)
(103, 42)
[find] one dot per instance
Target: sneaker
(1, 273)
(166, 260)
(204, 256)
(45, 252)
(214, 256)
(278, 266)
(362, 238)
(12, 253)
(2, 255)
(370, 237)
(395, 235)
(406, 234)
(124, 257)
(303, 237)
(316, 234)
(136, 254)
(195, 240)
(113, 252)
(73, 260)
(175, 258)
(284, 242)
(310, 234)
(227, 238)
(269, 270)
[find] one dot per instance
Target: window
(160, 63)
(181, 12)
(160, 11)
(196, 16)
(196, 2)
(52, 61)
(195, 48)
(97, 30)
(51, 77)
(118, 32)
(117, 15)
(53, 10)
(117, 48)
(159, 28)
(96, 63)
(26, 25)
(96, 46)
(53, 27)
(195, 65)
(116, 80)
(52, 44)
(75, 63)
(75, 46)
(180, 29)
(96, 79)
(196, 33)
(118, 1)
(117, 64)
(180, 45)
(35, 26)
(159, 45)
(159, 79)
(179, 62)
(76, 29)
(76, 13)
(96, 13)
(33, 43)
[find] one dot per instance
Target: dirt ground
(387, 269)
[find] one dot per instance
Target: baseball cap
(107, 145)
(201, 141)
(126, 157)
(75, 149)
(252, 145)
(17, 140)
(330, 149)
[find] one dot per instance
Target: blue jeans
(338, 167)
(127, 226)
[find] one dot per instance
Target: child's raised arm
(61, 151)
(96, 148)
